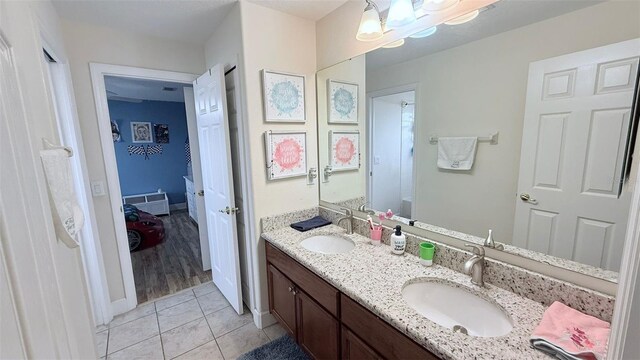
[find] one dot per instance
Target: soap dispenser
(398, 241)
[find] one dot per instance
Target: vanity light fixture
(400, 13)
(370, 28)
(394, 44)
(463, 18)
(424, 33)
(432, 6)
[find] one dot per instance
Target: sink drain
(460, 329)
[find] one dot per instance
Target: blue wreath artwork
(285, 97)
(343, 102)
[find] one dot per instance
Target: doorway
(391, 123)
(151, 141)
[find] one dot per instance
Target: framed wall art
(285, 154)
(141, 132)
(344, 150)
(342, 101)
(283, 97)
(161, 132)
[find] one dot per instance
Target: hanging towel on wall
(456, 153)
(67, 214)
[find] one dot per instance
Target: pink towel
(570, 334)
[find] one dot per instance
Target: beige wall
(479, 88)
(86, 43)
(286, 44)
(344, 185)
(225, 44)
(46, 277)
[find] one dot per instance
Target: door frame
(369, 126)
(98, 72)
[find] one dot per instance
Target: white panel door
(575, 132)
(217, 180)
(386, 157)
(197, 192)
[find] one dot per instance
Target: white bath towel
(67, 214)
(456, 153)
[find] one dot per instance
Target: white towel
(67, 214)
(456, 153)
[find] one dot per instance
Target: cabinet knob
(290, 289)
(201, 193)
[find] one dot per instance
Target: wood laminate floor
(174, 265)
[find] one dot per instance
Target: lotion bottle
(398, 241)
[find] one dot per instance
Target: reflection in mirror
(519, 121)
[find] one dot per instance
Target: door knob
(201, 193)
(527, 198)
(229, 210)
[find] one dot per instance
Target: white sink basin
(328, 244)
(449, 306)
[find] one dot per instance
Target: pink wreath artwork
(344, 150)
(288, 154)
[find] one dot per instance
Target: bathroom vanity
(350, 305)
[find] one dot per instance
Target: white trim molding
(627, 297)
(98, 72)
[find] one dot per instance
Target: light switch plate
(97, 188)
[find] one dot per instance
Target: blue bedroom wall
(164, 171)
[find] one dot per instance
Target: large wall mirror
(519, 121)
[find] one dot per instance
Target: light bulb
(400, 13)
(370, 28)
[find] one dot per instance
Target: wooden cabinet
(326, 323)
(282, 303)
(318, 330)
(353, 348)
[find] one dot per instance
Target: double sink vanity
(341, 297)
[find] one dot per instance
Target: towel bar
(492, 139)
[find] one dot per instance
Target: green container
(427, 250)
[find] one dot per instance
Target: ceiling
(184, 20)
(308, 9)
(504, 15)
(136, 90)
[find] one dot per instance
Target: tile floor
(196, 323)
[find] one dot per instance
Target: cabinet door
(282, 303)
(318, 330)
(353, 348)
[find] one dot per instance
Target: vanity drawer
(320, 290)
(380, 336)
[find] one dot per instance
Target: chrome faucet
(348, 216)
(488, 242)
(363, 208)
(475, 265)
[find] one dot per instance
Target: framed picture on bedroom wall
(342, 101)
(344, 150)
(141, 132)
(283, 96)
(285, 154)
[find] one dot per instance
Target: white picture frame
(285, 154)
(141, 132)
(283, 97)
(342, 99)
(344, 150)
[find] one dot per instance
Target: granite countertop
(374, 277)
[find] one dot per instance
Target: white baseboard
(178, 206)
(263, 319)
(118, 307)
